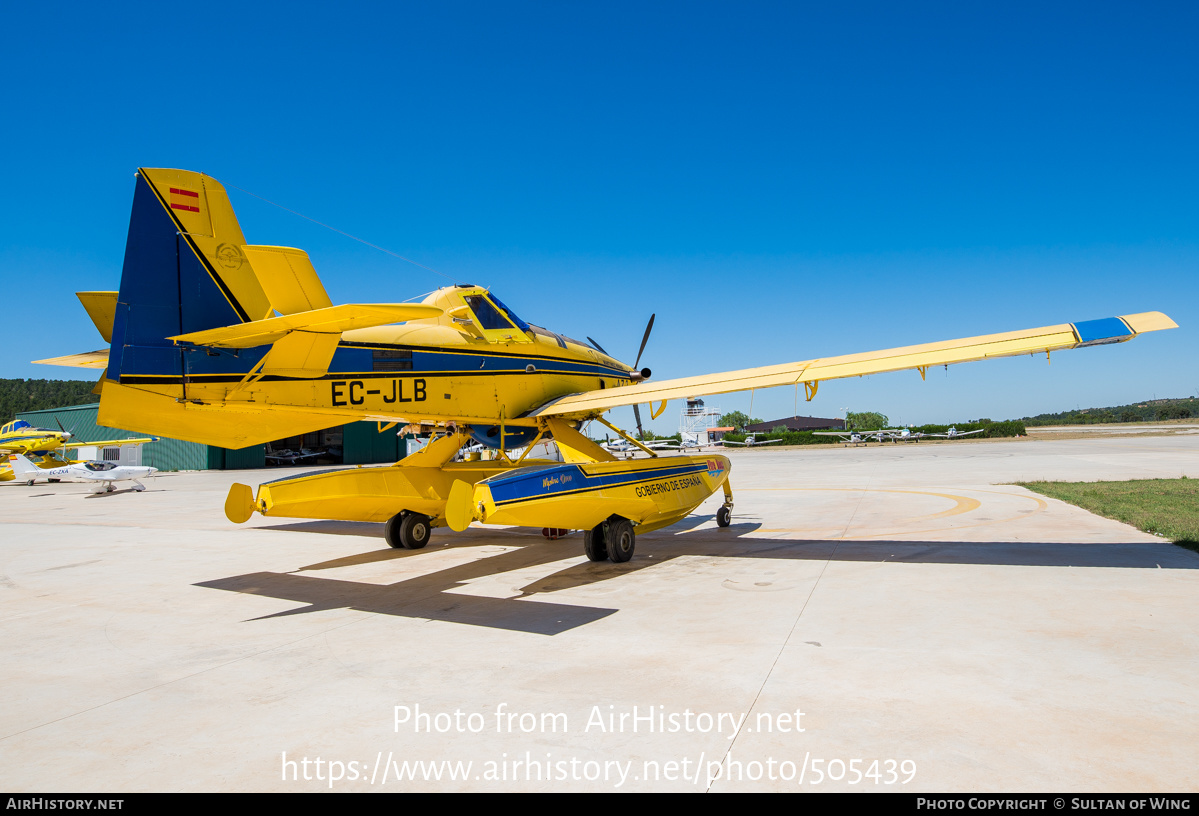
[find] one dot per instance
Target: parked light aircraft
(626, 447)
(101, 474)
(20, 436)
(854, 438)
(46, 448)
(751, 440)
(883, 435)
(217, 341)
(954, 433)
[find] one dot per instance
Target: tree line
(17, 396)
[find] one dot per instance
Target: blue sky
(777, 181)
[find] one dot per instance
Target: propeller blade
(645, 339)
(598, 346)
(637, 413)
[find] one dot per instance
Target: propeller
(637, 376)
(66, 433)
(644, 374)
(645, 339)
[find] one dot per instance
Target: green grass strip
(1165, 507)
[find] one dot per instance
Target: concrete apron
(915, 619)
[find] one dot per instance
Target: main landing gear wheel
(407, 530)
(594, 544)
(723, 517)
(621, 540)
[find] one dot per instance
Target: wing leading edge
(813, 372)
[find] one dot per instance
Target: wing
(104, 443)
(813, 372)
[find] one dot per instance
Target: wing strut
(627, 437)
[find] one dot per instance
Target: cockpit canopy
(492, 313)
(99, 466)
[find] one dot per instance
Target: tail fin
(194, 322)
(22, 468)
(184, 271)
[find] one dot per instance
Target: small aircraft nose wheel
(724, 516)
(621, 541)
(407, 530)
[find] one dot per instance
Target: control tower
(695, 420)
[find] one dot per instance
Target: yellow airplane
(220, 342)
(44, 447)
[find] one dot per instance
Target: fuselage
(475, 363)
(19, 436)
(97, 472)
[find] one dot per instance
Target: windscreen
(488, 316)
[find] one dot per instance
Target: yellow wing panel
(333, 320)
(142, 440)
(1006, 344)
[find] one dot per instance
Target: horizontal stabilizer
(102, 309)
(227, 426)
(287, 277)
(88, 359)
(331, 320)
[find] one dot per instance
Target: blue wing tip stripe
(1104, 330)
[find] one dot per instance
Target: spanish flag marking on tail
(185, 200)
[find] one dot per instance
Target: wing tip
(1148, 321)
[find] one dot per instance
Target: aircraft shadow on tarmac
(430, 596)
(120, 492)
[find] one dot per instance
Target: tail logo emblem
(229, 256)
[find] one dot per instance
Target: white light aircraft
(101, 474)
(954, 433)
(751, 440)
(854, 438)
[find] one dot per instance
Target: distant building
(717, 434)
(798, 423)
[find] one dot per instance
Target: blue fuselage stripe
(564, 479)
(349, 362)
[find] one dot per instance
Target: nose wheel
(724, 515)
